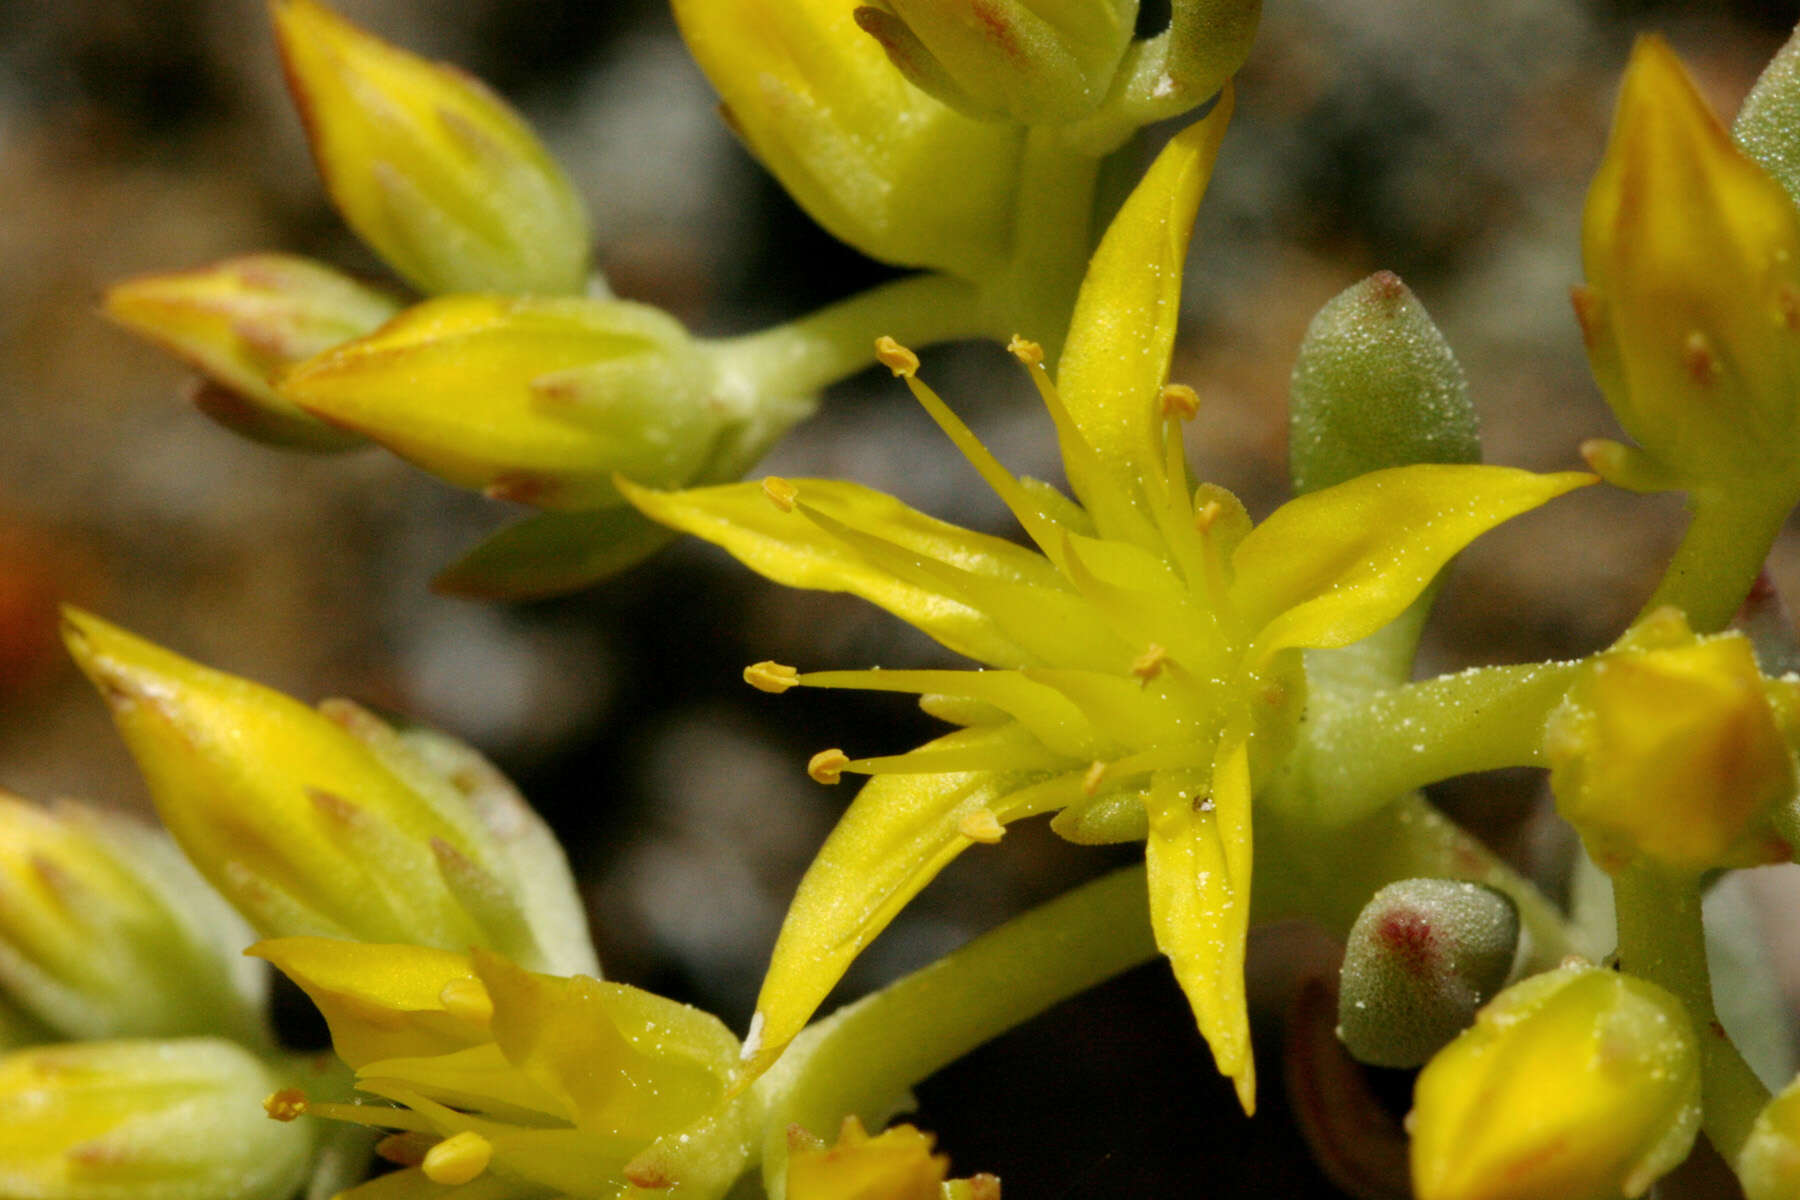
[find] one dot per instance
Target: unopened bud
(435, 172)
(105, 932)
(1667, 748)
(242, 323)
(1769, 1164)
(178, 1118)
(1692, 310)
(539, 400)
(1423, 956)
(1581, 1083)
(331, 822)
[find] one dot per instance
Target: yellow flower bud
(880, 164)
(1769, 1164)
(435, 172)
(245, 321)
(1035, 62)
(1667, 748)
(329, 822)
(540, 400)
(145, 1120)
(1582, 1084)
(106, 932)
(1692, 308)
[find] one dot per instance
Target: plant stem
(1727, 541)
(865, 1056)
(1661, 939)
(798, 358)
(1355, 756)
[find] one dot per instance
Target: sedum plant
(1151, 664)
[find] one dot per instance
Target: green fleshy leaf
(552, 553)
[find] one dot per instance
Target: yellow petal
(898, 833)
(897, 1164)
(1333, 566)
(385, 1002)
(1198, 854)
(1123, 330)
(793, 550)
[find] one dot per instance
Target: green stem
(1727, 541)
(865, 1056)
(798, 358)
(1053, 237)
(1662, 939)
(1356, 756)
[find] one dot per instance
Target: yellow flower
(331, 822)
(1581, 1083)
(863, 151)
(105, 932)
(145, 1120)
(531, 1083)
(1691, 312)
(245, 321)
(536, 399)
(1146, 652)
(1668, 748)
(429, 167)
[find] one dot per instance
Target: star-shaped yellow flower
(1146, 672)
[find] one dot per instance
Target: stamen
(780, 492)
(468, 1000)
(896, 358)
(981, 825)
(458, 1159)
(1090, 782)
(1179, 401)
(1149, 664)
(404, 1149)
(770, 676)
(1026, 351)
(827, 766)
(285, 1105)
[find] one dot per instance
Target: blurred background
(1448, 140)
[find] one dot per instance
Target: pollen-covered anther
(780, 492)
(770, 676)
(1026, 351)
(458, 1158)
(896, 358)
(1149, 664)
(1698, 357)
(468, 1000)
(827, 766)
(1092, 778)
(285, 1105)
(1604, 457)
(1206, 514)
(1179, 401)
(981, 825)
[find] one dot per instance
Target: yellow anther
(827, 766)
(1149, 664)
(981, 825)
(896, 358)
(771, 676)
(1206, 514)
(458, 1158)
(1604, 457)
(467, 1000)
(780, 492)
(1026, 351)
(1180, 401)
(404, 1149)
(1090, 782)
(286, 1104)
